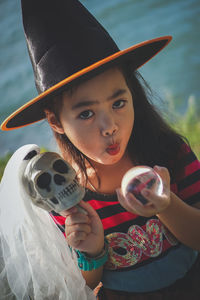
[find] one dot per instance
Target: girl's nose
(108, 126)
(109, 132)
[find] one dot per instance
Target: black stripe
(53, 213)
(110, 210)
(189, 180)
(90, 195)
(123, 227)
(193, 199)
(61, 227)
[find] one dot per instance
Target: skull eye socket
(60, 166)
(59, 179)
(44, 180)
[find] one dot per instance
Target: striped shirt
(138, 245)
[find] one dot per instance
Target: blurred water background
(173, 74)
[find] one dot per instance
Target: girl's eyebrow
(85, 103)
(117, 93)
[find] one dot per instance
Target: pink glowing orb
(138, 178)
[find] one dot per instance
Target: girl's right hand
(84, 232)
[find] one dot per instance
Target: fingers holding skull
(84, 232)
(77, 228)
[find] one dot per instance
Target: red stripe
(117, 219)
(193, 167)
(58, 219)
(97, 204)
(190, 190)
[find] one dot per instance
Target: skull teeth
(68, 190)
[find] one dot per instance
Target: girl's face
(98, 117)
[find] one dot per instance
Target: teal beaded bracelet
(87, 263)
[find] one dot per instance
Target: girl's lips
(113, 149)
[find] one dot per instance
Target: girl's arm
(180, 218)
(183, 221)
(85, 233)
(93, 277)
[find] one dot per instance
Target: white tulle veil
(35, 260)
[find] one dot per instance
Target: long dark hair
(152, 142)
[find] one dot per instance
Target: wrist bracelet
(87, 263)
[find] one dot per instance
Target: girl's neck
(110, 176)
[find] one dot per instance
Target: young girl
(100, 111)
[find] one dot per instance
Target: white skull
(51, 182)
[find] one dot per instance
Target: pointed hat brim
(32, 111)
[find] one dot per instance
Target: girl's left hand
(155, 204)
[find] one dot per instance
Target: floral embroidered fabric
(126, 249)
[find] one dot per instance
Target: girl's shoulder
(187, 180)
(187, 159)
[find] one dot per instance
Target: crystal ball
(138, 178)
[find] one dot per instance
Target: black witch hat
(66, 44)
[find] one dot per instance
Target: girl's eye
(86, 114)
(119, 104)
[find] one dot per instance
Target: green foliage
(188, 124)
(3, 162)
